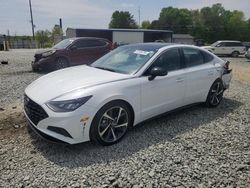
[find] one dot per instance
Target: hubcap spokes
(217, 92)
(113, 124)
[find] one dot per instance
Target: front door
(164, 93)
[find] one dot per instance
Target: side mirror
(73, 47)
(156, 71)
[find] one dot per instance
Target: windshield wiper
(104, 68)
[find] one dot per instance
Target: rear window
(207, 57)
(193, 57)
(230, 44)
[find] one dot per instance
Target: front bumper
(45, 64)
(67, 127)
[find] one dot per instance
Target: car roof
(80, 38)
(153, 45)
(228, 41)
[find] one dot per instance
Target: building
(183, 39)
(123, 35)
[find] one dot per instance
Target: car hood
(207, 47)
(66, 80)
(39, 52)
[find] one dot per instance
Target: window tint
(89, 43)
(169, 60)
(207, 57)
(230, 44)
(81, 44)
(221, 44)
(192, 57)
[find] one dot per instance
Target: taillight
(226, 66)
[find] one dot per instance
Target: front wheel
(215, 94)
(111, 123)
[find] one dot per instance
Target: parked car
(247, 55)
(227, 47)
(130, 84)
(72, 51)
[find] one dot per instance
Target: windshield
(63, 44)
(125, 59)
(215, 44)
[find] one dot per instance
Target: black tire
(215, 94)
(235, 54)
(61, 63)
(108, 127)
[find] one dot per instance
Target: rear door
(200, 74)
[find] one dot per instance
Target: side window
(89, 43)
(222, 44)
(81, 44)
(169, 60)
(193, 57)
(207, 57)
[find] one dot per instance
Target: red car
(70, 52)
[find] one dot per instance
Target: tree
(43, 38)
(122, 20)
(145, 24)
(178, 20)
(56, 34)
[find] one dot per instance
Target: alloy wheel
(113, 124)
(216, 94)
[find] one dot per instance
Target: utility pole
(32, 24)
(139, 13)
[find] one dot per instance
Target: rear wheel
(215, 94)
(235, 54)
(111, 123)
(61, 63)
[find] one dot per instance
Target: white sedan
(123, 88)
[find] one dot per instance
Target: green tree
(56, 31)
(43, 37)
(122, 20)
(178, 20)
(145, 24)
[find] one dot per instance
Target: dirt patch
(12, 119)
(241, 73)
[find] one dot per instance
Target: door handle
(179, 80)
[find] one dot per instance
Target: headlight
(67, 105)
(48, 53)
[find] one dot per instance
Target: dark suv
(70, 52)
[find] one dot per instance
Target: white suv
(227, 47)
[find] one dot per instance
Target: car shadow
(156, 131)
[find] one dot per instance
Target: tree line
(208, 23)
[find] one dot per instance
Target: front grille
(34, 111)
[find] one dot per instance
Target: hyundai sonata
(132, 83)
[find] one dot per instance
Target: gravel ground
(196, 147)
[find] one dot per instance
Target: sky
(15, 15)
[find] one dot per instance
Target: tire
(61, 63)
(215, 94)
(108, 127)
(235, 54)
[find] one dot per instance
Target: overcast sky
(15, 15)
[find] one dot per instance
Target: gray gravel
(196, 147)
